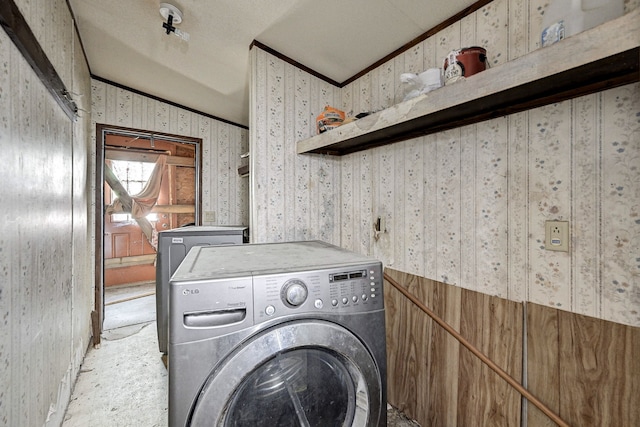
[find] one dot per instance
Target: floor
(124, 382)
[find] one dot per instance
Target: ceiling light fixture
(173, 15)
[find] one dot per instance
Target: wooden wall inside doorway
(129, 255)
(586, 370)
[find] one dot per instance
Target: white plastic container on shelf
(431, 79)
(408, 88)
(564, 18)
(412, 85)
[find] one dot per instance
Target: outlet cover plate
(556, 236)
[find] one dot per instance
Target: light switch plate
(556, 236)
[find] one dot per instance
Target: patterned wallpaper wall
(293, 197)
(46, 271)
(224, 192)
(83, 226)
(467, 206)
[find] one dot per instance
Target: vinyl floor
(124, 381)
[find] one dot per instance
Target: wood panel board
(600, 372)
(400, 349)
(587, 370)
(584, 369)
(444, 369)
(393, 326)
(150, 157)
(494, 326)
(471, 397)
(433, 378)
(129, 275)
(543, 369)
(424, 327)
(129, 261)
(502, 343)
(185, 186)
(174, 209)
(185, 193)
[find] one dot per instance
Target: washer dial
(294, 293)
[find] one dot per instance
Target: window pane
(121, 217)
(147, 169)
(134, 187)
(135, 171)
(132, 175)
(119, 168)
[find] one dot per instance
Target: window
(133, 176)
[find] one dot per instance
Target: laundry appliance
(277, 334)
(173, 246)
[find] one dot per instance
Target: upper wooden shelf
(600, 58)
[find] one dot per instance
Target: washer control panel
(349, 287)
(344, 290)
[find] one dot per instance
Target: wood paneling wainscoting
(434, 379)
(586, 370)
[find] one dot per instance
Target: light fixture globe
(167, 10)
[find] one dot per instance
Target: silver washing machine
(173, 246)
(281, 334)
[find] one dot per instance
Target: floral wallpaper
(224, 192)
(46, 269)
(293, 197)
(466, 206)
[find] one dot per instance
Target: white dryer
(282, 334)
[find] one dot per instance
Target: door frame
(102, 130)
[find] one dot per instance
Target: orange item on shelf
(329, 118)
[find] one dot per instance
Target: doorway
(146, 182)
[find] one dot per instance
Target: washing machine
(173, 246)
(280, 334)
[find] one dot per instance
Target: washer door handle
(214, 318)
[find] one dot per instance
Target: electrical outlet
(556, 236)
(210, 216)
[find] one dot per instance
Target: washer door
(304, 373)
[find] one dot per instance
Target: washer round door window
(306, 373)
(280, 394)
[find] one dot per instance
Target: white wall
(467, 206)
(46, 272)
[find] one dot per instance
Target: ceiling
(125, 42)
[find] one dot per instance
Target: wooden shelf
(600, 58)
